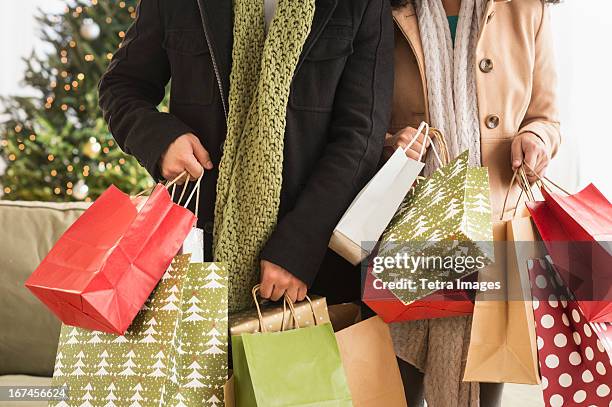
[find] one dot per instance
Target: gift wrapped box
(274, 314)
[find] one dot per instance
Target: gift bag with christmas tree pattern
(174, 354)
(444, 220)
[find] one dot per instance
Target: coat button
(486, 65)
(492, 121)
(208, 227)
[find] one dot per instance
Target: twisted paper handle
(286, 302)
(519, 176)
(542, 179)
(173, 184)
(262, 326)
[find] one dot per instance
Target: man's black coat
(337, 115)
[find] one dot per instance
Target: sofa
(28, 331)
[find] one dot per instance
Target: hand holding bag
(101, 271)
(297, 367)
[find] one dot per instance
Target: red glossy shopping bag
(103, 268)
(440, 304)
(585, 216)
(574, 354)
(584, 266)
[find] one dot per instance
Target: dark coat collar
(217, 19)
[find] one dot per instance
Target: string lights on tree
(56, 146)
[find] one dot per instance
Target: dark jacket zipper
(214, 60)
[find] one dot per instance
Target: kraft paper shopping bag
(370, 364)
(502, 343)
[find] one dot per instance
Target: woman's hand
(401, 139)
(530, 149)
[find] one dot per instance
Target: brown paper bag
(370, 364)
(503, 343)
(228, 392)
(344, 315)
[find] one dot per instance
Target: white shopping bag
(194, 245)
(194, 242)
(373, 208)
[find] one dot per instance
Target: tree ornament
(89, 29)
(92, 148)
(80, 190)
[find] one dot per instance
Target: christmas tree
(56, 145)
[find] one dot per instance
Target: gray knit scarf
(450, 74)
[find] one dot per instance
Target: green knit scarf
(250, 174)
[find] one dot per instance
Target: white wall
(583, 29)
(18, 36)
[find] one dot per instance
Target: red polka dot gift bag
(575, 355)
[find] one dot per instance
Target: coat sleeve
(134, 85)
(542, 117)
(356, 134)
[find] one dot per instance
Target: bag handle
(182, 191)
(292, 305)
(195, 190)
(286, 302)
(436, 135)
(439, 137)
(173, 183)
(422, 126)
(262, 326)
(168, 185)
(542, 179)
(520, 177)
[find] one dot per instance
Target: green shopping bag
(297, 367)
(444, 219)
(174, 353)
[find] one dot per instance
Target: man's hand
(276, 281)
(530, 149)
(401, 139)
(186, 153)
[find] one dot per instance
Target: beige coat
(515, 76)
(516, 87)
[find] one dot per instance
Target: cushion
(29, 332)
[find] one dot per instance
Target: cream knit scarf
(250, 174)
(450, 74)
